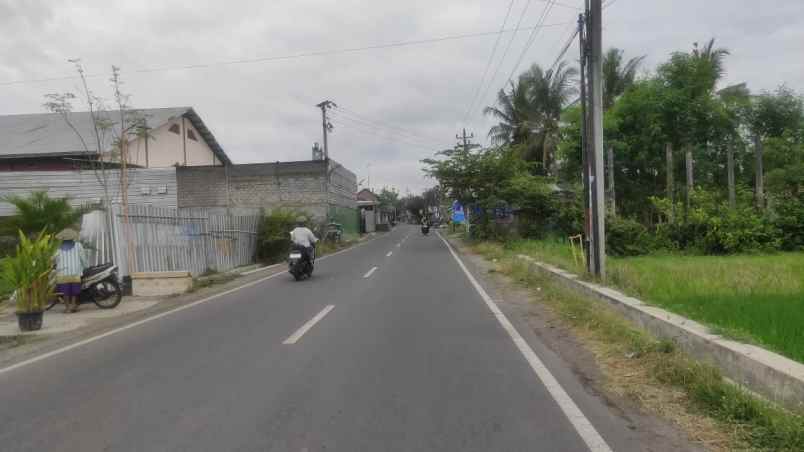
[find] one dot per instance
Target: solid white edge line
(585, 429)
(306, 327)
(368, 273)
(92, 339)
(259, 269)
(389, 254)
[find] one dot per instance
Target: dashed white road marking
(389, 254)
(368, 273)
(585, 429)
(306, 327)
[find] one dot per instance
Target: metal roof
(48, 134)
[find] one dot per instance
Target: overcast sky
(399, 103)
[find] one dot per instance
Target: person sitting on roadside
(70, 264)
(303, 237)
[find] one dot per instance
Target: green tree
(389, 201)
(39, 212)
(530, 114)
(772, 115)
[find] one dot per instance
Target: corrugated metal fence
(163, 239)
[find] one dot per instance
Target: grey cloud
(265, 111)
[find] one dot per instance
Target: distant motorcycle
(99, 285)
(425, 229)
(300, 264)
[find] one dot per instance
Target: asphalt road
(407, 357)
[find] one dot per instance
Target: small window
(191, 135)
(175, 129)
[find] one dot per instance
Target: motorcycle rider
(304, 238)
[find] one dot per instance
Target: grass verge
(752, 298)
(659, 376)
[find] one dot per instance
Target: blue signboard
(457, 213)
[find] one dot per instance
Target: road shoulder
(619, 419)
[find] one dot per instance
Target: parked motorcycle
(100, 285)
(300, 264)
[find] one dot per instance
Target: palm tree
(511, 112)
(39, 212)
(549, 92)
(713, 57)
(617, 77)
(529, 114)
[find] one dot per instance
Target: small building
(46, 142)
(368, 203)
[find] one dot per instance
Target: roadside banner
(458, 216)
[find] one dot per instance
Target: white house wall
(165, 148)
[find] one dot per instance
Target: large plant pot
(29, 321)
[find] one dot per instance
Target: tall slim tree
(618, 76)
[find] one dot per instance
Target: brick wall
(292, 185)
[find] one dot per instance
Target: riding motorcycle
(300, 262)
(99, 285)
(425, 229)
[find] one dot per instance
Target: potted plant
(29, 271)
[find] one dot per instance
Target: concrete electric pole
(465, 141)
(325, 124)
(596, 135)
(585, 167)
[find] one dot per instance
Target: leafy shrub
(711, 227)
(788, 217)
(627, 237)
(273, 239)
(29, 271)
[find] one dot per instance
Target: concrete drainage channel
(766, 373)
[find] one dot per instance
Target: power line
(531, 39)
(388, 132)
(379, 123)
(565, 49)
(488, 63)
(564, 5)
(295, 55)
(505, 52)
(357, 126)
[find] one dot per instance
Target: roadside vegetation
(704, 188)
(273, 239)
(661, 378)
(756, 298)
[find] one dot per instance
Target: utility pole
(326, 126)
(465, 139)
(587, 221)
(596, 137)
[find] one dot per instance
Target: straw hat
(67, 234)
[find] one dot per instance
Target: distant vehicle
(425, 228)
(334, 232)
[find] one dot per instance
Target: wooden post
(730, 175)
(760, 182)
(612, 195)
(668, 152)
(690, 181)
